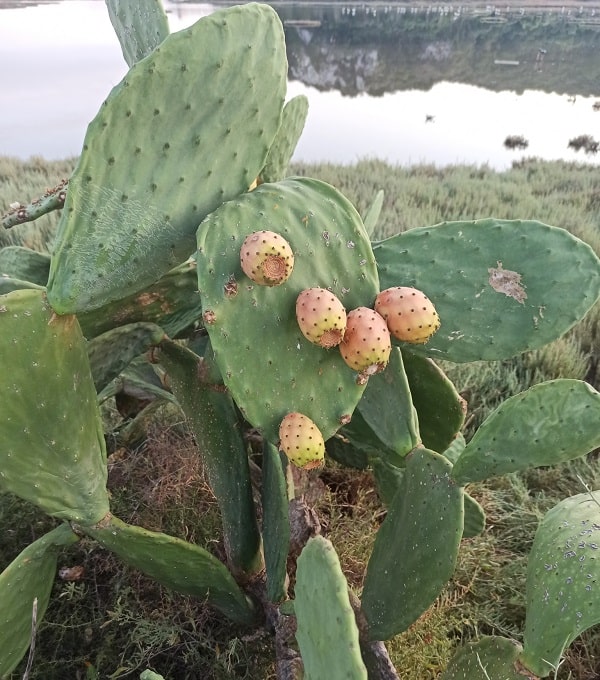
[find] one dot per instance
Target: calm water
(438, 84)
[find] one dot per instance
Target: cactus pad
(490, 658)
(253, 329)
(283, 146)
(53, 452)
(416, 547)
(500, 287)
(327, 632)
(563, 572)
(28, 577)
(549, 423)
(140, 25)
(187, 128)
(387, 408)
(176, 564)
(276, 523)
(440, 408)
(212, 417)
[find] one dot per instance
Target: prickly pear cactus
(253, 329)
(53, 452)
(188, 127)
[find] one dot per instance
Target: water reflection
(439, 84)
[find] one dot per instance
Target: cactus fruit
(321, 317)
(301, 441)
(366, 346)
(409, 313)
(266, 258)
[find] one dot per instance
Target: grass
(114, 622)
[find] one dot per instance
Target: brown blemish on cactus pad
(507, 282)
(209, 316)
(231, 287)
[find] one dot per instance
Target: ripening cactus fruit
(366, 346)
(409, 314)
(266, 258)
(321, 317)
(301, 441)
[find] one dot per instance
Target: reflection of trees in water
(386, 49)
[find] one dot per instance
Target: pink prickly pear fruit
(301, 441)
(409, 313)
(367, 345)
(266, 258)
(321, 317)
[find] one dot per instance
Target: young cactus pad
(500, 287)
(253, 329)
(140, 25)
(187, 128)
(327, 632)
(53, 452)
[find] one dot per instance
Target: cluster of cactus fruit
(363, 335)
(268, 308)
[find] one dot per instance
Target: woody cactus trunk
(188, 156)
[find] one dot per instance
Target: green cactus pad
(327, 633)
(112, 351)
(8, 284)
(172, 303)
(187, 128)
(500, 286)
(176, 564)
(490, 658)
(211, 414)
(276, 523)
(549, 423)
(140, 25)
(563, 572)
(22, 263)
(474, 523)
(373, 212)
(440, 408)
(416, 547)
(53, 452)
(387, 477)
(150, 675)
(387, 408)
(253, 329)
(28, 577)
(283, 146)
(344, 452)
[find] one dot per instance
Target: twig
(33, 635)
(53, 199)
